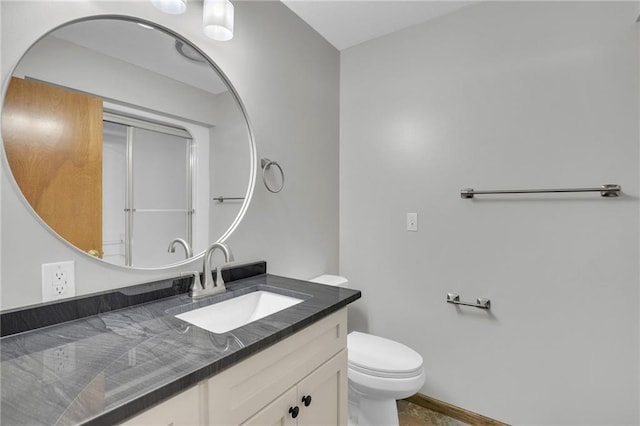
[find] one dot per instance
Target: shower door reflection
(147, 188)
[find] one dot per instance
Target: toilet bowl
(380, 371)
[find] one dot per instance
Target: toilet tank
(334, 280)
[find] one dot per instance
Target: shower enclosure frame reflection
(131, 125)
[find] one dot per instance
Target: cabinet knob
(294, 411)
(306, 400)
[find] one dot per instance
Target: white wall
(500, 95)
(287, 76)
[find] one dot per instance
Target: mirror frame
(252, 144)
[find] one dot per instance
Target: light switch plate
(412, 222)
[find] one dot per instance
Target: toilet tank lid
(383, 355)
(336, 280)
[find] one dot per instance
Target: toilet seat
(385, 374)
(380, 357)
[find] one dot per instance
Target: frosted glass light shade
(174, 7)
(217, 19)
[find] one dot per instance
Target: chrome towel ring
(266, 163)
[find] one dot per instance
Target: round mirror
(128, 142)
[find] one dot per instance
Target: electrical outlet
(412, 222)
(58, 281)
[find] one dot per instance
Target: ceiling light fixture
(217, 16)
(217, 19)
(173, 7)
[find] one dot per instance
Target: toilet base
(365, 411)
(372, 399)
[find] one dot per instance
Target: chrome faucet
(172, 247)
(211, 286)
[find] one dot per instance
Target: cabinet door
(328, 391)
(276, 413)
(184, 409)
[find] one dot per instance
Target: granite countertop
(105, 368)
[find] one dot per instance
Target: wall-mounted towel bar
(481, 302)
(610, 190)
(223, 199)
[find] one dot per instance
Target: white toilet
(381, 371)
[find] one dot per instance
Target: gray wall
(287, 77)
(500, 95)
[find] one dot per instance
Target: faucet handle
(196, 286)
(219, 280)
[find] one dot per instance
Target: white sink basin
(233, 313)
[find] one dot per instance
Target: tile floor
(414, 415)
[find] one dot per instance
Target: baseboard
(452, 411)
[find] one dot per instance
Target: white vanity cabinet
(266, 388)
(312, 362)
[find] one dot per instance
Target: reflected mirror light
(120, 138)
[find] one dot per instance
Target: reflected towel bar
(481, 302)
(160, 210)
(223, 199)
(610, 190)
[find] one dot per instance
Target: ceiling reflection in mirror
(121, 136)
